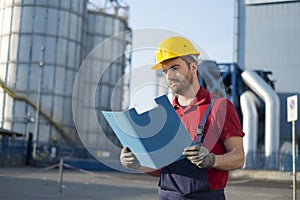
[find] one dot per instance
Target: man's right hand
(200, 156)
(128, 159)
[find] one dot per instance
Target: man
(204, 172)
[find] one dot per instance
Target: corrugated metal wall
(272, 42)
(102, 75)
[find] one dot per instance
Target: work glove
(199, 156)
(128, 159)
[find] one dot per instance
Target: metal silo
(40, 53)
(100, 82)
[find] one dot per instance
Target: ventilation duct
(249, 102)
(272, 115)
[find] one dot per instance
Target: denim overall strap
(200, 131)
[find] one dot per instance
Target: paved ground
(35, 184)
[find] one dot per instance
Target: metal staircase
(66, 135)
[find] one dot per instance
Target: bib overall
(183, 180)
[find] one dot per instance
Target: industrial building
(267, 38)
(42, 46)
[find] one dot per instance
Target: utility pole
(38, 99)
(28, 119)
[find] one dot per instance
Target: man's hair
(188, 59)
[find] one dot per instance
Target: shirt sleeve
(227, 120)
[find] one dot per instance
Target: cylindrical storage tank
(25, 27)
(100, 82)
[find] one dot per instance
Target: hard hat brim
(157, 66)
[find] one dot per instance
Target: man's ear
(194, 67)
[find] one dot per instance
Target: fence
(279, 161)
(15, 152)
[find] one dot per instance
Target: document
(157, 137)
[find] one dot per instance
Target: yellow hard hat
(171, 48)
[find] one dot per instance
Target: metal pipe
(272, 114)
(249, 102)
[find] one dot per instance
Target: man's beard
(181, 85)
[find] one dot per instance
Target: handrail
(58, 127)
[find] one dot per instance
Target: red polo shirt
(222, 123)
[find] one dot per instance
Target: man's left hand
(199, 156)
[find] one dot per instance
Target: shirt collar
(201, 96)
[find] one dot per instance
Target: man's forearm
(231, 160)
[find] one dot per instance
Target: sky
(207, 22)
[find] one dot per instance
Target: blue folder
(157, 137)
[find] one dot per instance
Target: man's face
(178, 74)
